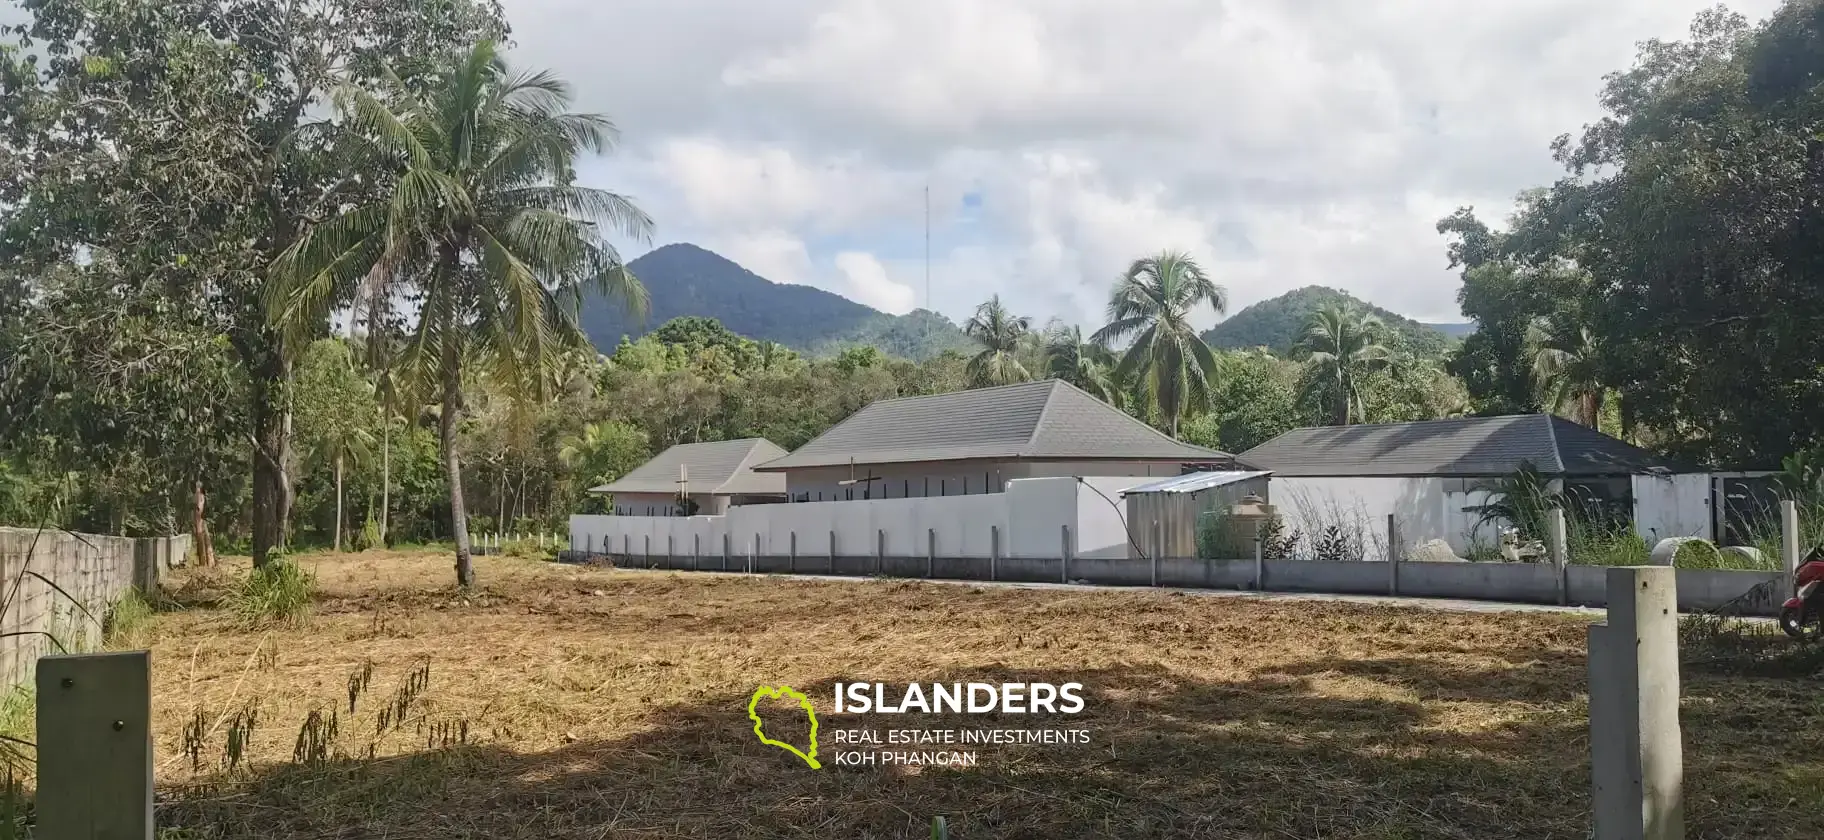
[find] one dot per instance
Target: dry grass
(613, 704)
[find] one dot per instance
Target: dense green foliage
(1279, 323)
(686, 281)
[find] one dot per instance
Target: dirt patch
(575, 702)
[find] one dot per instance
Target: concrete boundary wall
(1744, 592)
(93, 570)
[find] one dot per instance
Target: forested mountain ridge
(1277, 323)
(685, 280)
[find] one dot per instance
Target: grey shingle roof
(721, 468)
(1467, 446)
(1049, 419)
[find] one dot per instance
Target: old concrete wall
(92, 571)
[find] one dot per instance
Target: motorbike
(1802, 616)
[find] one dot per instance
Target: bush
(281, 592)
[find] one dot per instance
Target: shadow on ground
(1168, 758)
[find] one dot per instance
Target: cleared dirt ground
(598, 703)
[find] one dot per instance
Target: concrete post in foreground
(1636, 754)
(1789, 537)
(1557, 547)
(95, 746)
(1393, 554)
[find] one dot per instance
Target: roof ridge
(1551, 434)
(1032, 440)
(753, 444)
(904, 397)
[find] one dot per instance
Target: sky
(1282, 144)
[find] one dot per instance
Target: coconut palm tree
(1002, 336)
(1152, 305)
(1343, 347)
(481, 223)
(1567, 369)
(1083, 363)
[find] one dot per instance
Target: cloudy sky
(1281, 142)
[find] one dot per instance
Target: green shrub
(369, 537)
(127, 621)
(280, 591)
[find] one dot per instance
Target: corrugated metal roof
(723, 468)
(1049, 419)
(1465, 446)
(1193, 482)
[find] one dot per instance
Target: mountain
(687, 280)
(1278, 323)
(1453, 330)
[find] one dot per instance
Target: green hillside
(685, 280)
(1278, 323)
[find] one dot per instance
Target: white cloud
(1285, 144)
(869, 284)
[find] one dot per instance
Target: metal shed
(1162, 516)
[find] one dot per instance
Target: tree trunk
(1592, 408)
(338, 539)
(452, 462)
(199, 531)
(1341, 416)
(386, 476)
(272, 454)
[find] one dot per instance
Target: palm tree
(1152, 304)
(1002, 335)
(1085, 364)
(482, 224)
(341, 446)
(1344, 347)
(1567, 369)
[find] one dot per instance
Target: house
(1432, 475)
(972, 442)
(712, 476)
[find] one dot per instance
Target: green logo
(770, 693)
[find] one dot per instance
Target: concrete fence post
(726, 540)
(1394, 550)
(994, 549)
(1636, 759)
(880, 549)
(1789, 537)
(1559, 549)
(646, 553)
(95, 746)
(627, 546)
(791, 559)
(696, 552)
(669, 551)
(1064, 556)
(930, 552)
(1260, 561)
(832, 552)
(1158, 548)
(753, 552)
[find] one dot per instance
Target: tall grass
(278, 592)
(127, 621)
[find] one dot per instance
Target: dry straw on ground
(569, 702)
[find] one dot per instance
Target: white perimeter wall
(1030, 518)
(1424, 507)
(1667, 506)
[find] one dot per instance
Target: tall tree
(1342, 347)
(1568, 367)
(174, 138)
(483, 221)
(1152, 305)
(1002, 336)
(1083, 363)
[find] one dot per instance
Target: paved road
(1445, 604)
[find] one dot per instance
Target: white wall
(1668, 506)
(1030, 517)
(1102, 518)
(1425, 508)
(664, 504)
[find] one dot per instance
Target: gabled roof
(1465, 446)
(722, 468)
(1050, 420)
(1196, 482)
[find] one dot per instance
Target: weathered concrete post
(95, 746)
(753, 552)
(726, 544)
(1260, 561)
(696, 552)
(832, 552)
(669, 553)
(880, 549)
(994, 549)
(627, 546)
(1636, 758)
(930, 552)
(1158, 548)
(1558, 548)
(1065, 555)
(646, 553)
(1394, 550)
(791, 560)
(1789, 537)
